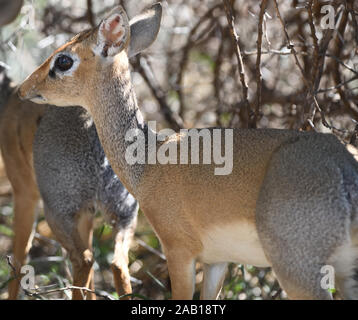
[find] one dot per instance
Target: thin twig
(315, 40)
(258, 61)
(291, 46)
(39, 291)
(151, 249)
(337, 86)
(342, 63)
(228, 4)
(216, 79)
(90, 14)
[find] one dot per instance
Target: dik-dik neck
(113, 106)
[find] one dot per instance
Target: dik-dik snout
(29, 89)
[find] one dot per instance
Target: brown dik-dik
(73, 177)
(290, 201)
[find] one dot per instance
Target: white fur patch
(39, 100)
(68, 73)
(235, 242)
(345, 260)
(214, 274)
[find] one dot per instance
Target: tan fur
(279, 177)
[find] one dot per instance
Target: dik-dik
(74, 178)
(290, 201)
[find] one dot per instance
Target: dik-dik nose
(28, 91)
(22, 94)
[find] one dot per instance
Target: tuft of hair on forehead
(79, 37)
(82, 35)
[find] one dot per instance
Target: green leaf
(5, 230)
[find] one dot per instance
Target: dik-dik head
(66, 77)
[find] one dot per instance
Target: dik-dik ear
(144, 29)
(113, 33)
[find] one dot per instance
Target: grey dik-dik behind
(290, 202)
(75, 180)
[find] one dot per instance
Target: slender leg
(120, 261)
(181, 267)
(26, 196)
(82, 258)
(75, 235)
(214, 275)
(24, 217)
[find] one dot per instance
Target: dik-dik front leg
(181, 267)
(122, 280)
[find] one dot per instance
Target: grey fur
(72, 171)
(330, 182)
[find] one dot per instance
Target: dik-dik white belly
(233, 242)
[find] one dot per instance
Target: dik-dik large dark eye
(63, 62)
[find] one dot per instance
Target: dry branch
(235, 41)
(258, 61)
(90, 15)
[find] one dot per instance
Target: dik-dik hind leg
(301, 284)
(297, 265)
(214, 275)
(122, 281)
(75, 235)
(301, 217)
(294, 257)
